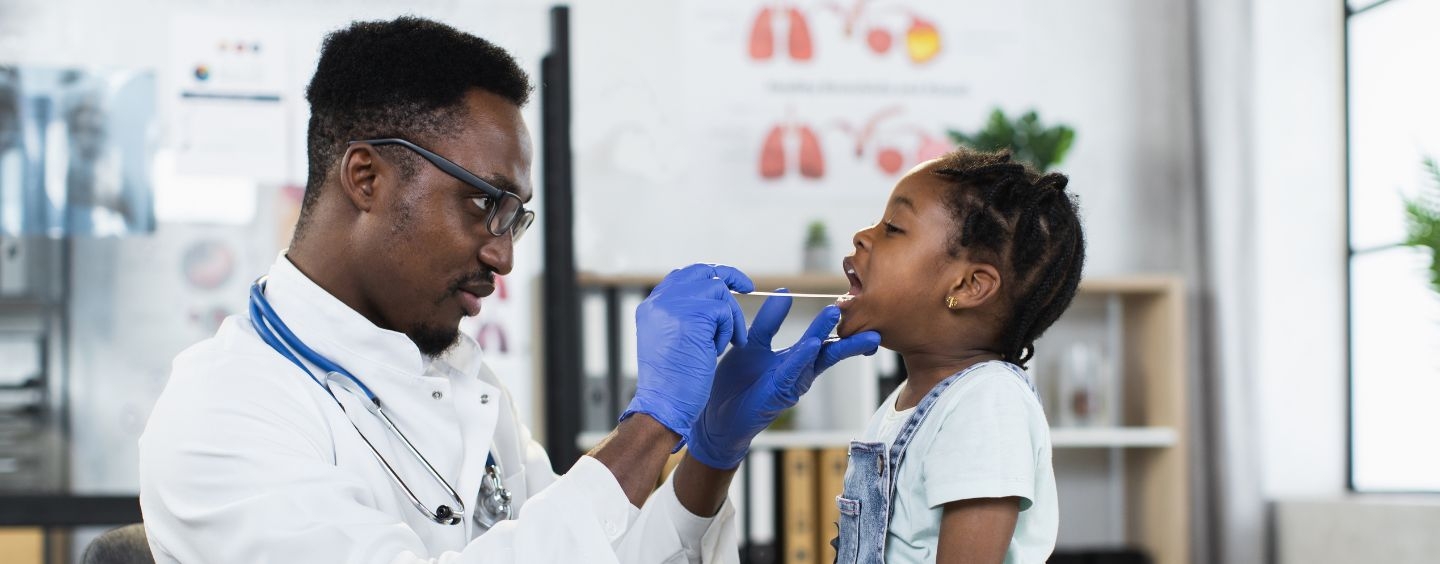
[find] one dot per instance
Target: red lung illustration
(772, 154)
(812, 160)
(931, 147)
(879, 40)
(801, 49)
(890, 160)
(778, 152)
(762, 35)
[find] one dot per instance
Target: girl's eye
(890, 227)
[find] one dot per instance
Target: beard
(433, 341)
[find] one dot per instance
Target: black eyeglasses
(507, 212)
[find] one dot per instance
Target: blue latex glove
(754, 384)
(681, 328)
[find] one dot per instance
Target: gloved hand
(681, 328)
(754, 384)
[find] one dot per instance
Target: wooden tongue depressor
(845, 297)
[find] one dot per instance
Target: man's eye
(483, 203)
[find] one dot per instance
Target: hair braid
(1029, 227)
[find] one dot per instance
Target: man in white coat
(264, 447)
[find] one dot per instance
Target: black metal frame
(1349, 267)
(1349, 253)
(561, 294)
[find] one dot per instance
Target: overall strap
(912, 425)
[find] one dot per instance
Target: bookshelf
(1129, 470)
(1077, 437)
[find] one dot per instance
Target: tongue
(855, 286)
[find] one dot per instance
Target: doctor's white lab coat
(246, 459)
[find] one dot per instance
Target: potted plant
(1422, 220)
(1026, 137)
(817, 248)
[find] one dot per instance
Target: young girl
(975, 257)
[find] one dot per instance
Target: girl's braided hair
(1025, 224)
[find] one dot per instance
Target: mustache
(486, 276)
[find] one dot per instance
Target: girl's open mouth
(855, 284)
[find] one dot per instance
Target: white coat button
(484, 398)
(610, 529)
(437, 395)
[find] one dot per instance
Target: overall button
(437, 394)
(484, 398)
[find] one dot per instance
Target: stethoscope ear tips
(446, 516)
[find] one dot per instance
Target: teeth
(845, 298)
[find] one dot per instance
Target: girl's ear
(978, 284)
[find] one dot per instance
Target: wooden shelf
(1113, 437)
(1142, 319)
(1082, 437)
(766, 439)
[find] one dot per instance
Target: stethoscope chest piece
(494, 502)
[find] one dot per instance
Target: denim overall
(866, 505)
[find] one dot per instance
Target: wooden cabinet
(1130, 472)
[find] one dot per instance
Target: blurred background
(1247, 376)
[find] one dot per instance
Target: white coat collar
(335, 330)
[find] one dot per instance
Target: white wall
(1300, 247)
(1114, 69)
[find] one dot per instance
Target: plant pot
(817, 259)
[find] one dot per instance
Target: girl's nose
(862, 238)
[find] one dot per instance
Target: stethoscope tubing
(273, 331)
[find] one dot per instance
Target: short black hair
(405, 78)
(1025, 224)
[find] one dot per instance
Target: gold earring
(951, 302)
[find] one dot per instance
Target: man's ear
(360, 168)
(979, 283)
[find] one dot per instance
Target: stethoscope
(494, 498)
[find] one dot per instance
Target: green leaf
(1422, 220)
(1026, 137)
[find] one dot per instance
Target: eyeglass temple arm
(445, 164)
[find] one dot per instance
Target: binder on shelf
(801, 535)
(597, 413)
(833, 462)
(629, 299)
(737, 501)
(761, 508)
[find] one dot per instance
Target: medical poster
(228, 83)
(837, 96)
(769, 117)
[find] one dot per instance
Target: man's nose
(499, 254)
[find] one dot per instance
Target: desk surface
(59, 510)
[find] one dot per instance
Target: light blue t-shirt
(986, 437)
